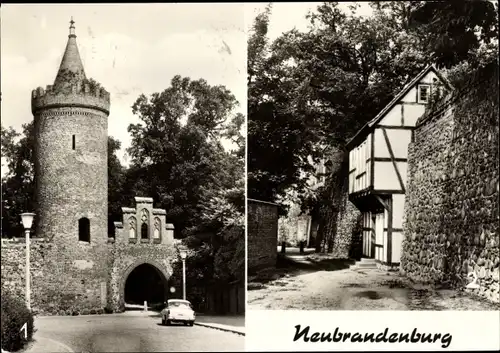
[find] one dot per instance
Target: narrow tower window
(74, 141)
(84, 229)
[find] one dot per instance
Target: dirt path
(331, 285)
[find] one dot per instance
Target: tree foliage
(179, 160)
(454, 31)
(313, 89)
(18, 182)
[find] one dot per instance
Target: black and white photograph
(373, 156)
(123, 177)
(250, 176)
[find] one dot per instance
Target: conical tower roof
(71, 68)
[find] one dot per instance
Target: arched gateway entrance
(145, 281)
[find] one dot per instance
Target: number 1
(25, 328)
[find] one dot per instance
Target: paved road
(127, 332)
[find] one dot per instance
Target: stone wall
(451, 209)
(345, 215)
(262, 238)
(346, 243)
(62, 282)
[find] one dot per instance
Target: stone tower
(71, 130)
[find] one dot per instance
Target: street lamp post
(183, 258)
(27, 219)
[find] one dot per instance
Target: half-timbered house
(377, 167)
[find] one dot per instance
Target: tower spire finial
(72, 27)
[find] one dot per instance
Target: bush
(14, 315)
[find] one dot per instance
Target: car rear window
(179, 305)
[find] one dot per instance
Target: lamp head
(27, 219)
(183, 254)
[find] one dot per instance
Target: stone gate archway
(144, 280)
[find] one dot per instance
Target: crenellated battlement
(77, 94)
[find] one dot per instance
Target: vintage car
(178, 310)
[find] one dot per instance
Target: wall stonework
(344, 214)
(63, 280)
(451, 209)
(262, 238)
(347, 238)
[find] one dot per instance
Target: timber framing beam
(393, 159)
(385, 204)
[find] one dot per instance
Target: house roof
(369, 125)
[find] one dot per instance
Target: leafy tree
(277, 139)
(177, 156)
(454, 31)
(18, 182)
(116, 178)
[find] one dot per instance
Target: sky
(129, 48)
(286, 16)
(132, 49)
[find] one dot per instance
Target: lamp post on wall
(27, 219)
(183, 258)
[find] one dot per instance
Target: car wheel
(168, 322)
(163, 322)
(191, 323)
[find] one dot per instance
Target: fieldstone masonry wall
(262, 223)
(345, 215)
(451, 212)
(63, 282)
(348, 237)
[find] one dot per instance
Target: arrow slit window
(84, 229)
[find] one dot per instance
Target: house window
(74, 141)
(423, 93)
(84, 230)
